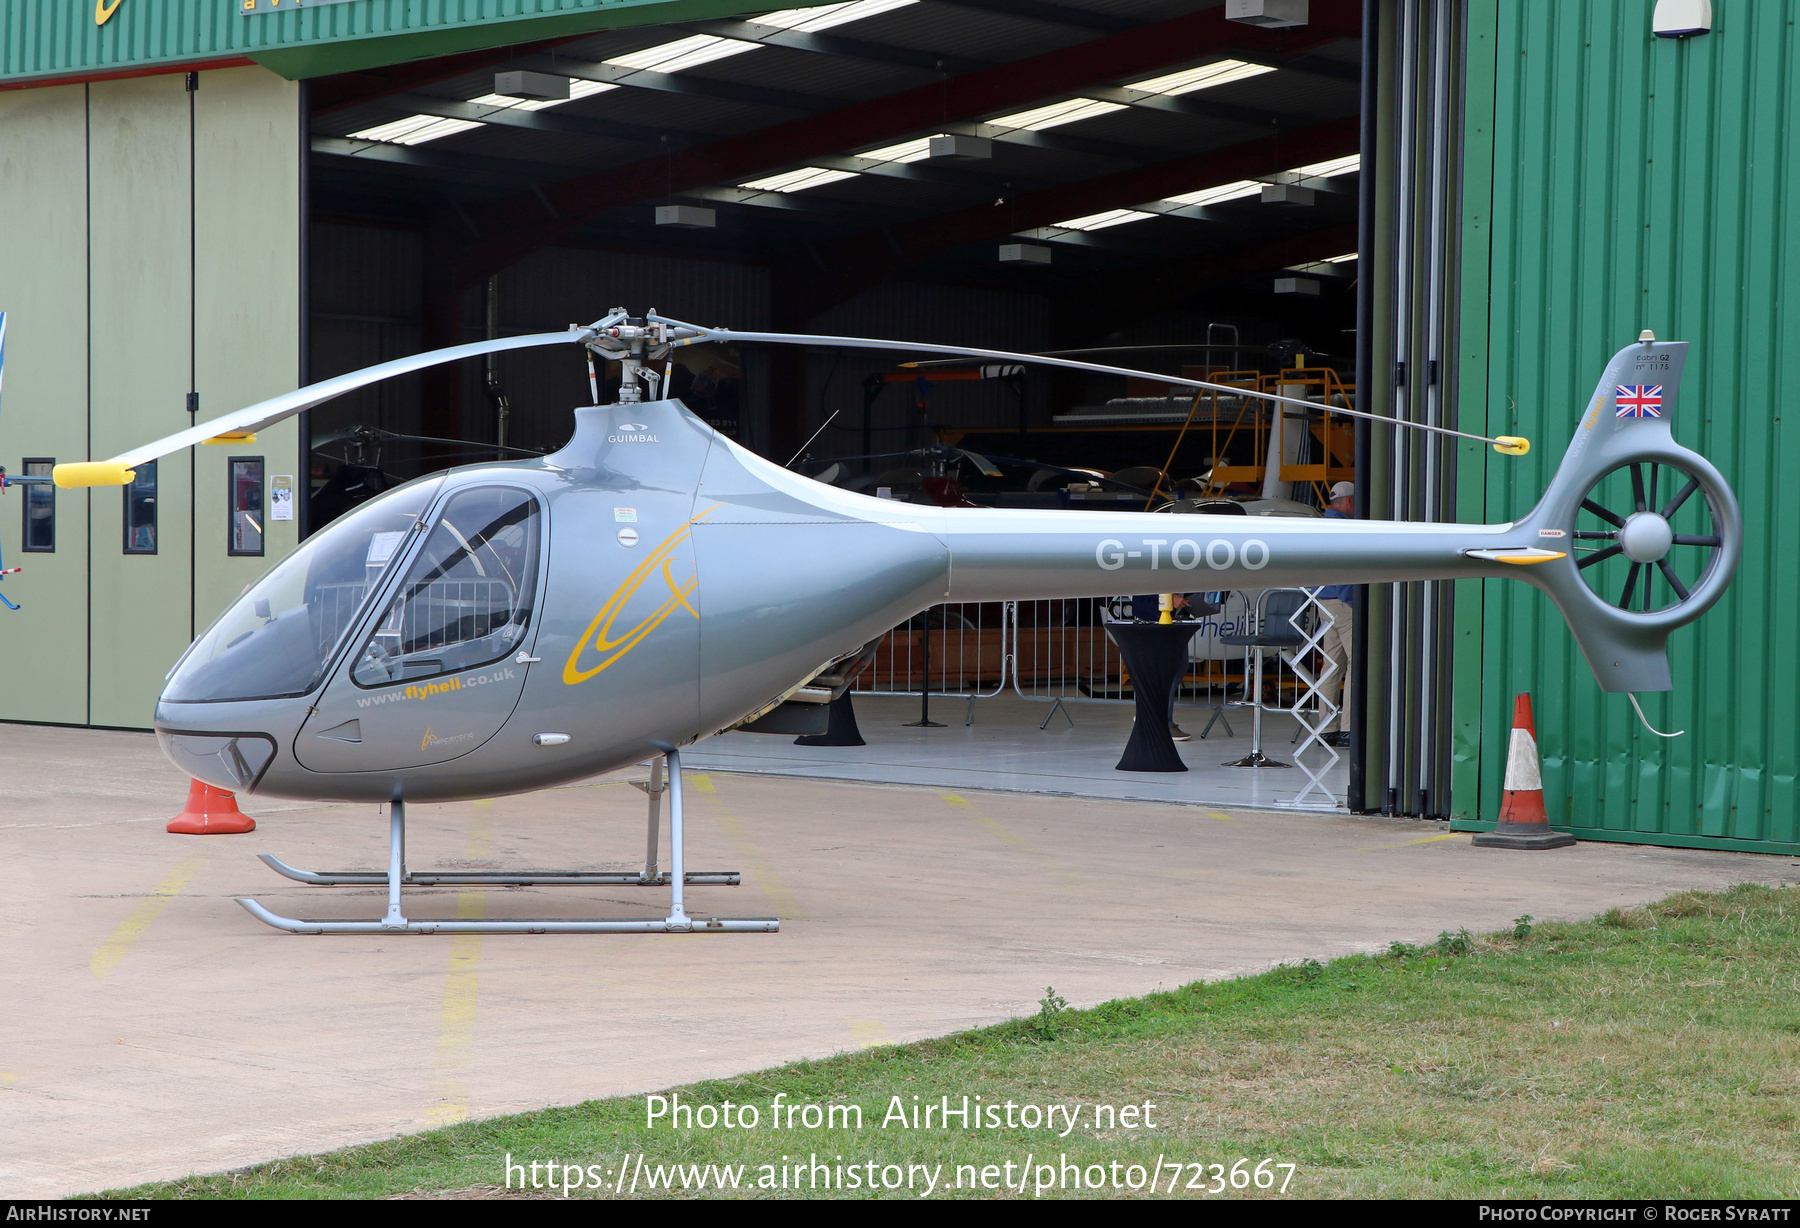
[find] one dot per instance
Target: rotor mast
(631, 342)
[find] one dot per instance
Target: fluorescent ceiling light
(683, 53)
(699, 49)
(1325, 170)
(577, 89)
(1214, 196)
(1329, 265)
(414, 130)
(417, 129)
(1205, 77)
(500, 102)
(797, 181)
(828, 15)
(1100, 221)
(905, 151)
(1066, 112)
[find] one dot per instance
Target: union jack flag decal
(1638, 400)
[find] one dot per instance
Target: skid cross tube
(396, 922)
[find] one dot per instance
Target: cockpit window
(467, 600)
(279, 637)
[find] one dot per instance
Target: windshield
(278, 638)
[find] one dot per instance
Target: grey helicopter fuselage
(506, 627)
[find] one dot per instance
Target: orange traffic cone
(1523, 822)
(210, 812)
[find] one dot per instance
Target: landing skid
(395, 922)
(667, 925)
(457, 878)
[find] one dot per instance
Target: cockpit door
(441, 665)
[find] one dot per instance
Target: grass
(1652, 1052)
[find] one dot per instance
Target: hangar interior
(1145, 182)
(1114, 174)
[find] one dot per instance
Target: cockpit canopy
(279, 636)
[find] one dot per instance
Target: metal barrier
(1057, 652)
(958, 650)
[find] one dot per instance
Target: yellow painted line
(1214, 814)
(462, 990)
(756, 867)
(107, 957)
(702, 783)
(1421, 840)
(1007, 836)
(867, 1033)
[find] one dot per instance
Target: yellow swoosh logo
(599, 632)
(103, 11)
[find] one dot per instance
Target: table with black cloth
(1155, 655)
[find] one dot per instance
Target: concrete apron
(153, 1029)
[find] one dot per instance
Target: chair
(1277, 609)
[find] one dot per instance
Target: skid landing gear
(677, 878)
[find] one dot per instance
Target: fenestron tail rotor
(1660, 514)
(1652, 530)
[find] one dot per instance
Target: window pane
(279, 636)
(246, 505)
(140, 511)
(39, 533)
(467, 600)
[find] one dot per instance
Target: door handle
(525, 658)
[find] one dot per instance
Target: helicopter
(513, 625)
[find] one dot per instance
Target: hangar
(1457, 209)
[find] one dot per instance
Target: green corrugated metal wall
(1616, 181)
(51, 38)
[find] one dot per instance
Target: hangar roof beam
(1050, 14)
(930, 63)
(520, 225)
(862, 260)
(1126, 299)
(641, 134)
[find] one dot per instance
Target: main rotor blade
(982, 463)
(1107, 349)
(253, 418)
(705, 335)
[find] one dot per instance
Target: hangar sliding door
(1617, 181)
(1407, 363)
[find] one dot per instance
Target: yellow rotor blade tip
(1512, 445)
(92, 473)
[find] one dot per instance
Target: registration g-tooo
(1185, 554)
(737, 586)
